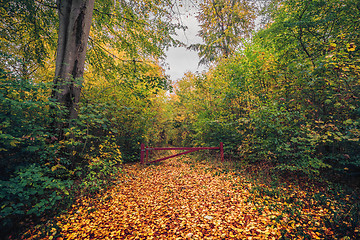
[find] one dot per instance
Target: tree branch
(114, 56)
(127, 19)
(301, 35)
(46, 5)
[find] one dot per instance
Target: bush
(104, 168)
(32, 190)
(212, 132)
(25, 117)
(282, 137)
(36, 169)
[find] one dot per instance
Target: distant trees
(224, 26)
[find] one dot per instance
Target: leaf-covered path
(172, 200)
(185, 199)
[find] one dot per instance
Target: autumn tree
(224, 25)
(139, 30)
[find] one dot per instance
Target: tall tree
(224, 24)
(74, 28)
(139, 29)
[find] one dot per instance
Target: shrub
(32, 190)
(282, 137)
(102, 169)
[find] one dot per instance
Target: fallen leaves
(178, 200)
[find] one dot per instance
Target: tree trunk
(74, 27)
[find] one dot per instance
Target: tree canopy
(225, 24)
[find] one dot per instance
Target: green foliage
(27, 30)
(316, 44)
(127, 37)
(125, 111)
(102, 169)
(24, 116)
(211, 133)
(280, 136)
(32, 190)
(290, 97)
(37, 170)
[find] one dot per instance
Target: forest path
(176, 199)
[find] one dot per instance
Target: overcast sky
(180, 60)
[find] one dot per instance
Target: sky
(180, 60)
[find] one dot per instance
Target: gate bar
(142, 153)
(184, 148)
(222, 151)
(145, 151)
(176, 155)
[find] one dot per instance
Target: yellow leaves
(57, 166)
(342, 36)
(351, 47)
(332, 46)
(315, 235)
(14, 143)
(192, 200)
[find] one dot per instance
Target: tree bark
(74, 28)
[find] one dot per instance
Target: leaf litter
(186, 199)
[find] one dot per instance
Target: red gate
(145, 152)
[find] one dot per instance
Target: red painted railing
(145, 152)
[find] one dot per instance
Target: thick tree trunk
(74, 27)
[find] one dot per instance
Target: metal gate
(145, 152)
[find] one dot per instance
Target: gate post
(222, 151)
(142, 154)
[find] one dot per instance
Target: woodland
(83, 84)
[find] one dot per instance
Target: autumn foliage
(187, 199)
